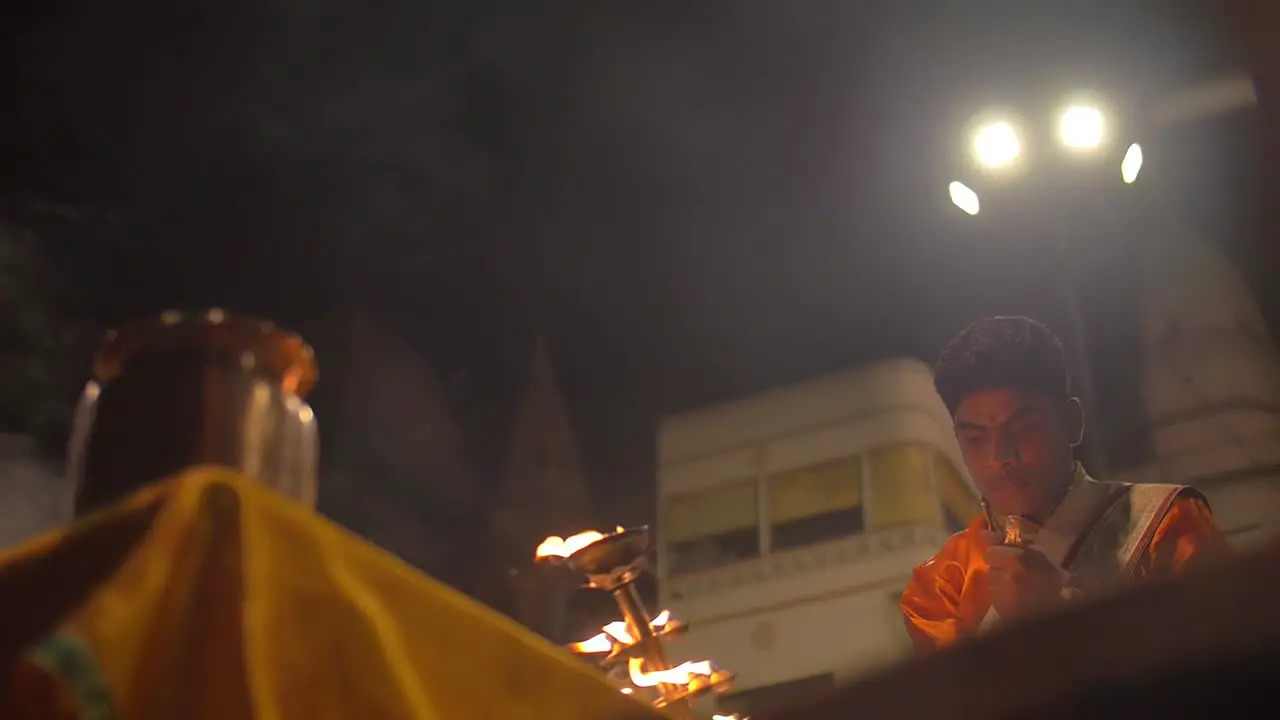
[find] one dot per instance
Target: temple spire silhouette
(543, 492)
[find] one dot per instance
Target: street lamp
(996, 145)
(964, 198)
(1131, 164)
(1084, 141)
(1082, 127)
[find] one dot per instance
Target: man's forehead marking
(988, 422)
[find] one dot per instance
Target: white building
(788, 524)
(1211, 381)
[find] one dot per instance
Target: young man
(1005, 382)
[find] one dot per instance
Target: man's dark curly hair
(1002, 352)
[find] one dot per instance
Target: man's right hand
(1022, 580)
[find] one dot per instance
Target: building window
(959, 503)
(712, 528)
(902, 487)
(774, 698)
(815, 504)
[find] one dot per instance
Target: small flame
(615, 633)
(679, 675)
(628, 691)
(596, 644)
(618, 631)
(556, 546)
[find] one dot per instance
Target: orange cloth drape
(210, 597)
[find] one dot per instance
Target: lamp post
(1000, 156)
(1078, 357)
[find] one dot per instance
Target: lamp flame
(682, 674)
(592, 645)
(615, 633)
(556, 546)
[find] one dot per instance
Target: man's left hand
(1023, 581)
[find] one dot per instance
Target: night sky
(693, 201)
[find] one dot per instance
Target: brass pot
(186, 390)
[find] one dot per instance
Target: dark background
(692, 201)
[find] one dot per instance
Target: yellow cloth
(219, 599)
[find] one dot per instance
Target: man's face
(1018, 448)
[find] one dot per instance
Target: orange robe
(947, 598)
